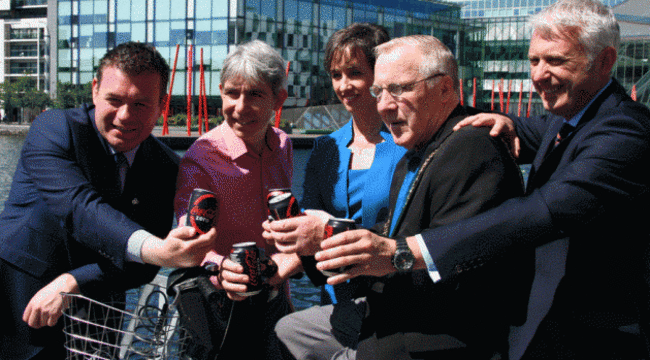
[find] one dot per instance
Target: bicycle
(146, 329)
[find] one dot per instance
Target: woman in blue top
(349, 172)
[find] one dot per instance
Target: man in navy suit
(78, 220)
(585, 209)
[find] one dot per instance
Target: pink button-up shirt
(220, 162)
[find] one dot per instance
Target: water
(9, 153)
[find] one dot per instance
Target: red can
(283, 205)
(247, 254)
(336, 226)
(201, 210)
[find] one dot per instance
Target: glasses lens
(375, 91)
(394, 89)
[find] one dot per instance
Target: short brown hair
(135, 58)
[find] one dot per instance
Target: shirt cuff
(134, 246)
(431, 267)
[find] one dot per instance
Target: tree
(72, 96)
(22, 93)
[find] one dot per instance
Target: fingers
(497, 129)
(339, 279)
(476, 121)
(516, 148)
(233, 280)
(183, 232)
(43, 312)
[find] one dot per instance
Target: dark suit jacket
(66, 213)
(594, 189)
(468, 172)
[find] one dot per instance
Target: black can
(201, 210)
(283, 205)
(336, 226)
(276, 192)
(247, 254)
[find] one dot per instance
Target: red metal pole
(190, 64)
(633, 94)
(492, 100)
(278, 113)
(521, 93)
(169, 95)
(462, 102)
(501, 94)
(474, 93)
(508, 102)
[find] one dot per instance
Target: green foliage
(22, 93)
(71, 96)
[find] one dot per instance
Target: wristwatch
(403, 260)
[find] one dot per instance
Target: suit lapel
(96, 160)
(434, 144)
(546, 162)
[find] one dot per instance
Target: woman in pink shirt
(240, 161)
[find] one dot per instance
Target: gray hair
(589, 22)
(257, 62)
(436, 57)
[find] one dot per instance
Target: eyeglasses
(398, 89)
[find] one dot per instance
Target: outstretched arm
(501, 126)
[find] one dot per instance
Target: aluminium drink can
(247, 254)
(276, 192)
(201, 210)
(283, 205)
(336, 226)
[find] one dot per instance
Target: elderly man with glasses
(445, 176)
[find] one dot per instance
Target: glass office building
(86, 29)
(507, 38)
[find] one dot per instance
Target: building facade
(24, 41)
(505, 63)
(85, 29)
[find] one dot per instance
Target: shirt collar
(576, 119)
(236, 147)
(130, 155)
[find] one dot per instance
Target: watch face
(403, 261)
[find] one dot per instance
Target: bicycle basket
(144, 327)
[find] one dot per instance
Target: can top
(279, 198)
(280, 189)
(245, 244)
(199, 190)
(349, 223)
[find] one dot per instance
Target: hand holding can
(336, 226)
(201, 210)
(247, 254)
(282, 204)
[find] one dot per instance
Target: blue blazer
(326, 176)
(66, 212)
(592, 189)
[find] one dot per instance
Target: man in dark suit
(588, 191)
(78, 220)
(445, 176)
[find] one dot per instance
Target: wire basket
(145, 326)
